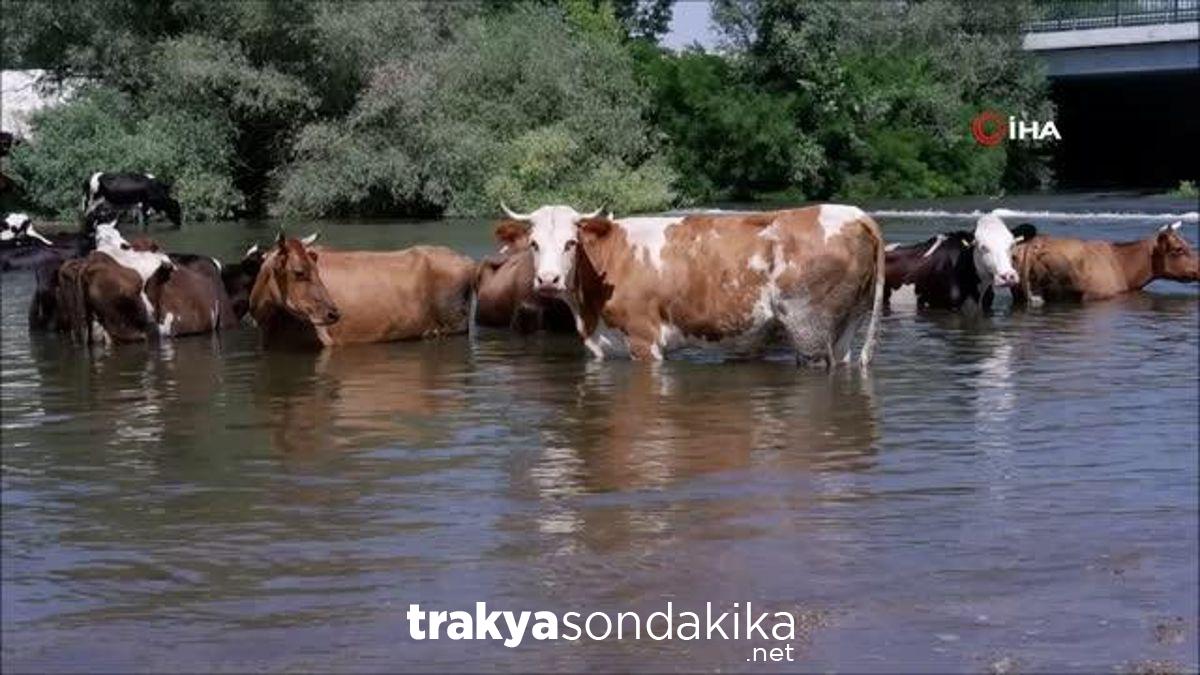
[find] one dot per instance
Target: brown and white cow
(504, 295)
(187, 297)
(650, 285)
(101, 300)
(315, 297)
(1061, 269)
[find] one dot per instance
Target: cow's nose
(332, 316)
(1008, 279)
(548, 279)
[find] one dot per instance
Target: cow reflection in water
(663, 426)
(361, 397)
(153, 398)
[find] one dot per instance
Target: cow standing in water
(959, 268)
(140, 191)
(646, 286)
(312, 297)
(504, 288)
(102, 297)
(1076, 270)
(23, 247)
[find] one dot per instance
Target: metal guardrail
(1056, 15)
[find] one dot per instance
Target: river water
(1010, 492)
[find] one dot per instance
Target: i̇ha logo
(990, 127)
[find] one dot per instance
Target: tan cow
(650, 285)
(1057, 269)
(316, 297)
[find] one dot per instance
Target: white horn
(513, 214)
(251, 251)
(37, 235)
(311, 239)
(593, 214)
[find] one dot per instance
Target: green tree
(887, 88)
(478, 120)
(727, 138)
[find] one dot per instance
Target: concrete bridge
(1118, 36)
(1124, 78)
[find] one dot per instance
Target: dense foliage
(427, 107)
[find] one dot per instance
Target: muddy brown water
(1011, 491)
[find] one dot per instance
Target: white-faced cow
(957, 268)
(504, 295)
(141, 192)
(646, 286)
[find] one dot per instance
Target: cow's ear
(595, 228)
(1023, 232)
(511, 231)
(312, 255)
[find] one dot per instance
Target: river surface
(1009, 492)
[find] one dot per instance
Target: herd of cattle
(641, 286)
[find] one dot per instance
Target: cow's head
(300, 291)
(993, 250)
(17, 226)
(553, 238)
(1173, 258)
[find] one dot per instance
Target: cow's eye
(301, 276)
(124, 247)
(533, 245)
(569, 245)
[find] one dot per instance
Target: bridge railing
(1055, 15)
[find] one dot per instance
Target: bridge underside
(1126, 130)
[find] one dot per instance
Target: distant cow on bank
(646, 286)
(312, 297)
(141, 192)
(1076, 270)
(504, 288)
(956, 268)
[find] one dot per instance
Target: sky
(691, 22)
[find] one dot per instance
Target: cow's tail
(868, 348)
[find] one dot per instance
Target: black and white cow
(23, 247)
(142, 192)
(956, 268)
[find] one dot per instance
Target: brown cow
(322, 297)
(101, 300)
(813, 274)
(504, 295)
(189, 296)
(1058, 269)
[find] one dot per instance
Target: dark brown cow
(238, 279)
(504, 288)
(323, 297)
(100, 300)
(648, 285)
(1060, 269)
(188, 297)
